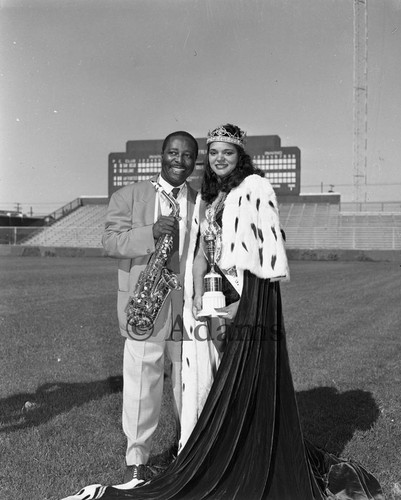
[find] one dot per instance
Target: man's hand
(166, 224)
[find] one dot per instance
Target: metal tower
(360, 101)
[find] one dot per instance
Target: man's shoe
(136, 473)
(140, 473)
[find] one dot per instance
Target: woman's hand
(197, 307)
(231, 311)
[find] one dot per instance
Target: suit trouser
(143, 376)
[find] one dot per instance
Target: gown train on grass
(248, 443)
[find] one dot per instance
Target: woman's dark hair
(212, 184)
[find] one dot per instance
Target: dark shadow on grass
(25, 410)
(330, 418)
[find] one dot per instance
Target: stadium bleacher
(82, 227)
(307, 226)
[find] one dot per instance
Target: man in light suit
(136, 218)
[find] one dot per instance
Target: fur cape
(251, 240)
(251, 235)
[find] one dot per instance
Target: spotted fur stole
(251, 234)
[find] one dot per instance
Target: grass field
(61, 358)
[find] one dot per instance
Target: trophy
(213, 296)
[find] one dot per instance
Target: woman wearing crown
(241, 437)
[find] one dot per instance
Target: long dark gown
(248, 443)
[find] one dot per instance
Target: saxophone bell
(169, 279)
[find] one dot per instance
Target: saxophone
(155, 282)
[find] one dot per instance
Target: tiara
(220, 134)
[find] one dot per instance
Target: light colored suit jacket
(128, 236)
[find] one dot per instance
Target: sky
(79, 78)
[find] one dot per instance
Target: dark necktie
(175, 192)
(174, 261)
